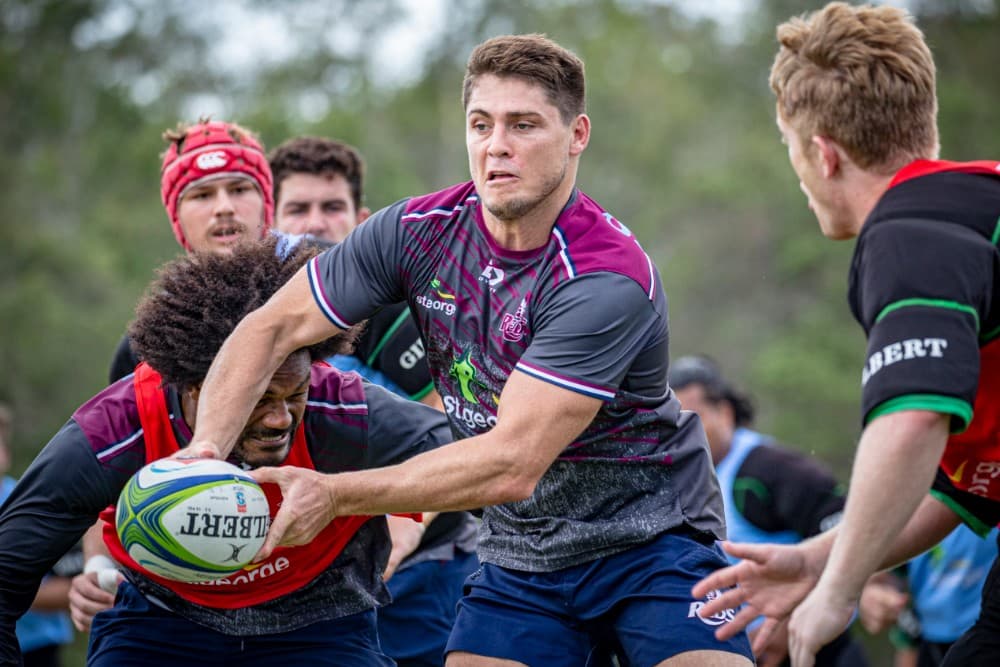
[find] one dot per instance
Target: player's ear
(189, 405)
(829, 152)
(363, 214)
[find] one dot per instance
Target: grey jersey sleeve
(352, 279)
(399, 429)
(595, 331)
(56, 500)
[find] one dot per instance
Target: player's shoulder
(443, 204)
(592, 240)
(111, 417)
(335, 392)
(783, 465)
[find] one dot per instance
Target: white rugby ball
(192, 519)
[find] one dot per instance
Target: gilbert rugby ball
(192, 519)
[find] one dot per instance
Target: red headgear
(212, 149)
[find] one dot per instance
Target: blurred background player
(771, 494)
(216, 186)
(944, 587)
(45, 628)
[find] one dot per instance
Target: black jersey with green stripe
(925, 285)
(391, 344)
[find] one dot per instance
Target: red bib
(288, 568)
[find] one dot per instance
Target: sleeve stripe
(316, 285)
(566, 383)
(113, 450)
(932, 402)
(932, 303)
(423, 392)
(355, 408)
(977, 526)
(996, 233)
(386, 336)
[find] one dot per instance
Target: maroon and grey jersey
(585, 312)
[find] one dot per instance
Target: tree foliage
(684, 152)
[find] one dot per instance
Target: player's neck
(866, 189)
(533, 229)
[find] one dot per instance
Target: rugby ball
(192, 519)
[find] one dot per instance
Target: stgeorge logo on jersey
(212, 160)
(473, 419)
(251, 573)
(514, 326)
(444, 303)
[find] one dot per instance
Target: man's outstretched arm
(895, 463)
(773, 579)
(535, 422)
(240, 373)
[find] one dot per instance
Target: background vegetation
(684, 152)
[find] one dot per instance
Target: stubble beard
(517, 208)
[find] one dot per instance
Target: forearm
(93, 542)
(235, 382)
(930, 524)
(466, 474)
(894, 466)
(243, 367)
(53, 595)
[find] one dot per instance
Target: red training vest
(286, 570)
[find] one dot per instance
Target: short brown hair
(536, 59)
(862, 76)
(319, 156)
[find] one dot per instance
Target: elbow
(516, 483)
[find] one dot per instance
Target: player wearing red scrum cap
(216, 185)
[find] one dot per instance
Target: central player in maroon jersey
(545, 326)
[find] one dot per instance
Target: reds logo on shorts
(719, 618)
(211, 160)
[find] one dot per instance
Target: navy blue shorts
(414, 629)
(136, 632)
(638, 601)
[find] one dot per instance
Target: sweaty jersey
(348, 425)
(925, 285)
(585, 312)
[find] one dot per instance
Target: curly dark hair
(197, 300)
